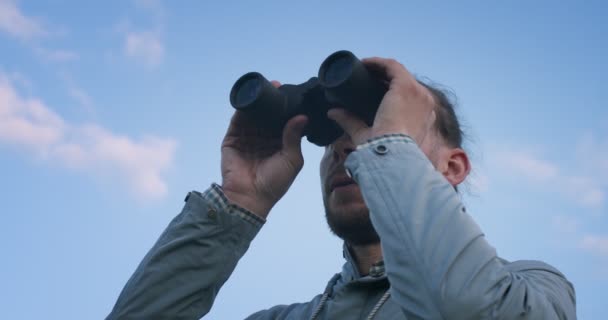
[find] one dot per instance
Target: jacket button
(381, 149)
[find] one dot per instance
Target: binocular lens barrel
(349, 84)
(336, 69)
(255, 95)
(247, 91)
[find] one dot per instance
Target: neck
(365, 256)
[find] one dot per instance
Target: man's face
(345, 210)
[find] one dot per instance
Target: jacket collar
(350, 273)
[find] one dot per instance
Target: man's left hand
(407, 106)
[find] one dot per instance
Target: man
(390, 193)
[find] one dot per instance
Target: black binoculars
(343, 81)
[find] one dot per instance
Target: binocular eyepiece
(343, 81)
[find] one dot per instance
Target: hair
(447, 123)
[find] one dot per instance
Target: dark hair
(446, 124)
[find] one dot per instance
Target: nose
(342, 147)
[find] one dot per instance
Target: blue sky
(111, 112)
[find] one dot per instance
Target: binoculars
(343, 81)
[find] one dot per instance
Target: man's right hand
(259, 166)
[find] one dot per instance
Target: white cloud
(28, 29)
(528, 165)
(145, 46)
(582, 186)
(593, 154)
(571, 234)
(19, 80)
(596, 244)
(30, 124)
(586, 189)
(27, 121)
(81, 97)
(77, 94)
(566, 224)
(15, 23)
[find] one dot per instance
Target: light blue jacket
(437, 262)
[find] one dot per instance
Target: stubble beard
(353, 225)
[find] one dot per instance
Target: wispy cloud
(572, 233)
(596, 244)
(29, 30)
(16, 24)
(529, 165)
(566, 224)
(30, 124)
(27, 122)
(145, 46)
(83, 99)
(18, 79)
(79, 95)
(592, 152)
(575, 182)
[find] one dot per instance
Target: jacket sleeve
(181, 275)
(438, 261)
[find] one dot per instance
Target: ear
(457, 166)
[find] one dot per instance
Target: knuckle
(396, 65)
(407, 86)
(425, 95)
(392, 62)
(429, 98)
(412, 86)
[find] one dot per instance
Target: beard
(352, 225)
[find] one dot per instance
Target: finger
(350, 123)
(241, 124)
(391, 68)
(275, 83)
(292, 136)
(235, 124)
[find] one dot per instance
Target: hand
(259, 166)
(407, 106)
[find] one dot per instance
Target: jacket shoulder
(301, 310)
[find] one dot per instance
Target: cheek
(323, 166)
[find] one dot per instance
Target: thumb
(292, 136)
(351, 124)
